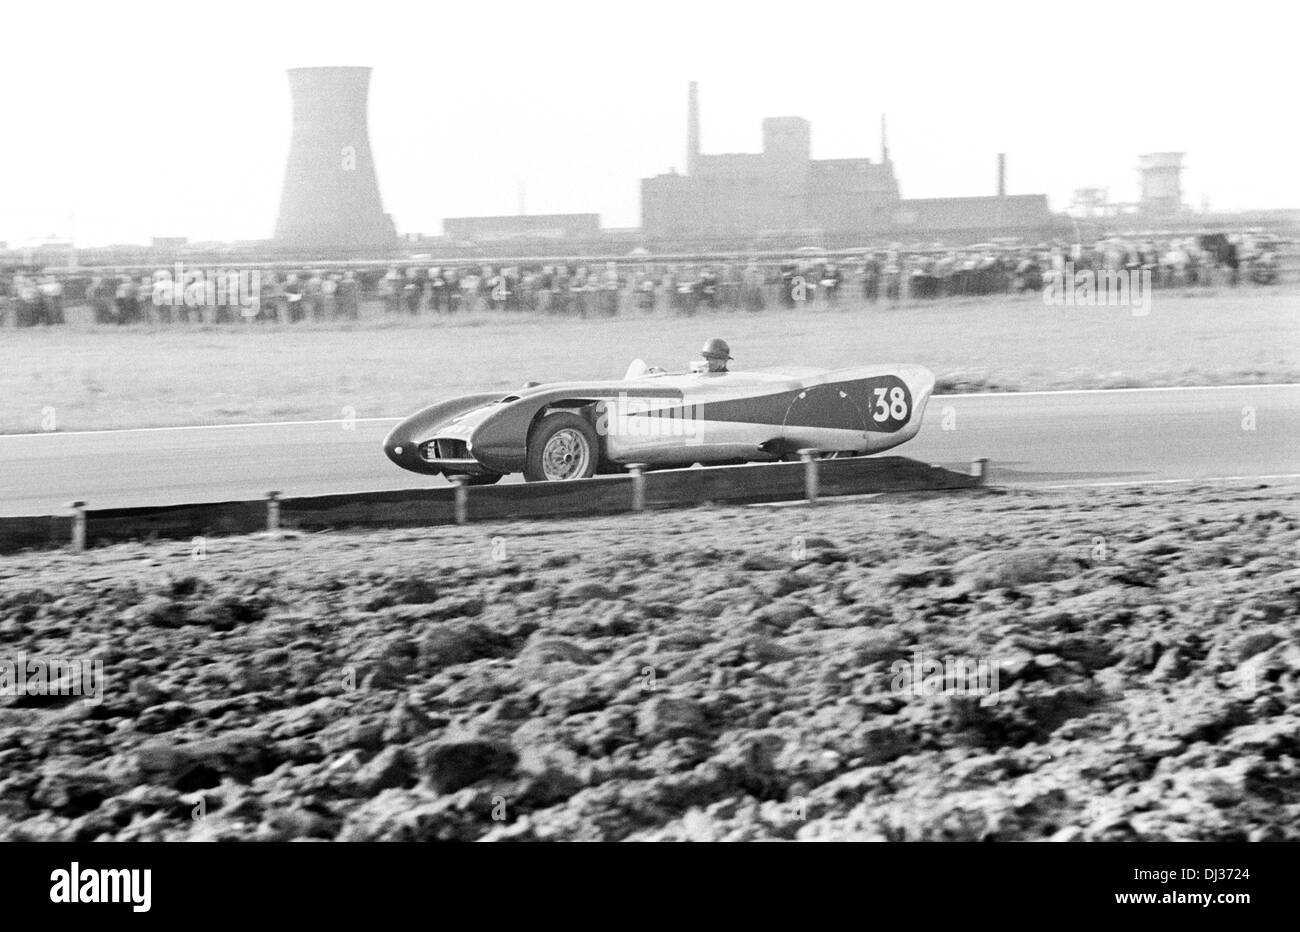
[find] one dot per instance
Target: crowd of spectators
(608, 289)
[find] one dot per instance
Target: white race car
(572, 430)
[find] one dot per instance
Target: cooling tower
(331, 199)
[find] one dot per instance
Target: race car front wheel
(561, 446)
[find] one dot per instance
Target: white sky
(126, 120)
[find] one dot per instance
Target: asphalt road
(1033, 438)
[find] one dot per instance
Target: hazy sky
(126, 120)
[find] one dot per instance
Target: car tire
(561, 446)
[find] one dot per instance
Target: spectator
(271, 306)
(412, 292)
(390, 290)
(514, 294)
(161, 292)
(454, 297)
(497, 290)
(708, 288)
(751, 288)
(99, 297)
(830, 282)
(688, 293)
(611, 286)
(578, 291)
(127, 297)
(349, 296)
(437, 290)
(789, 272)
(560, 294)
(314, 296)
(329, 296)
(645, 292)
(51, 300)
(470, 286)
(528, 289)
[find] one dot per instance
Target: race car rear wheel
(561, 446)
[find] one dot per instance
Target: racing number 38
(888, 403)
(891, 405)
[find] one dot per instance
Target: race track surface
(1047, 438)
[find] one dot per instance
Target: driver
(716, 354)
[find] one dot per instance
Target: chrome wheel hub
(566, 455)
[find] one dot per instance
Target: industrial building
(783, 189)
(1024, 215)
(1161, 187)
(779, 189)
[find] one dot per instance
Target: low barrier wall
(639, 489)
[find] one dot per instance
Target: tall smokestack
(692, 128)
(1002, 174)
(330, 199)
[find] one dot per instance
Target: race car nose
(400, 446)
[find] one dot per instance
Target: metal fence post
(462, 497)
(638, 485)
(78, 525)
(273, 511)
(809, 457)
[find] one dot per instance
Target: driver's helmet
(716, 349)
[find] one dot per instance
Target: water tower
(330, 202)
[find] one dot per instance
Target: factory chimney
(330, 201)
(692, 128)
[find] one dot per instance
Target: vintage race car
(572, 430)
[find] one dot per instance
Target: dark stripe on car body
(822, 407)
